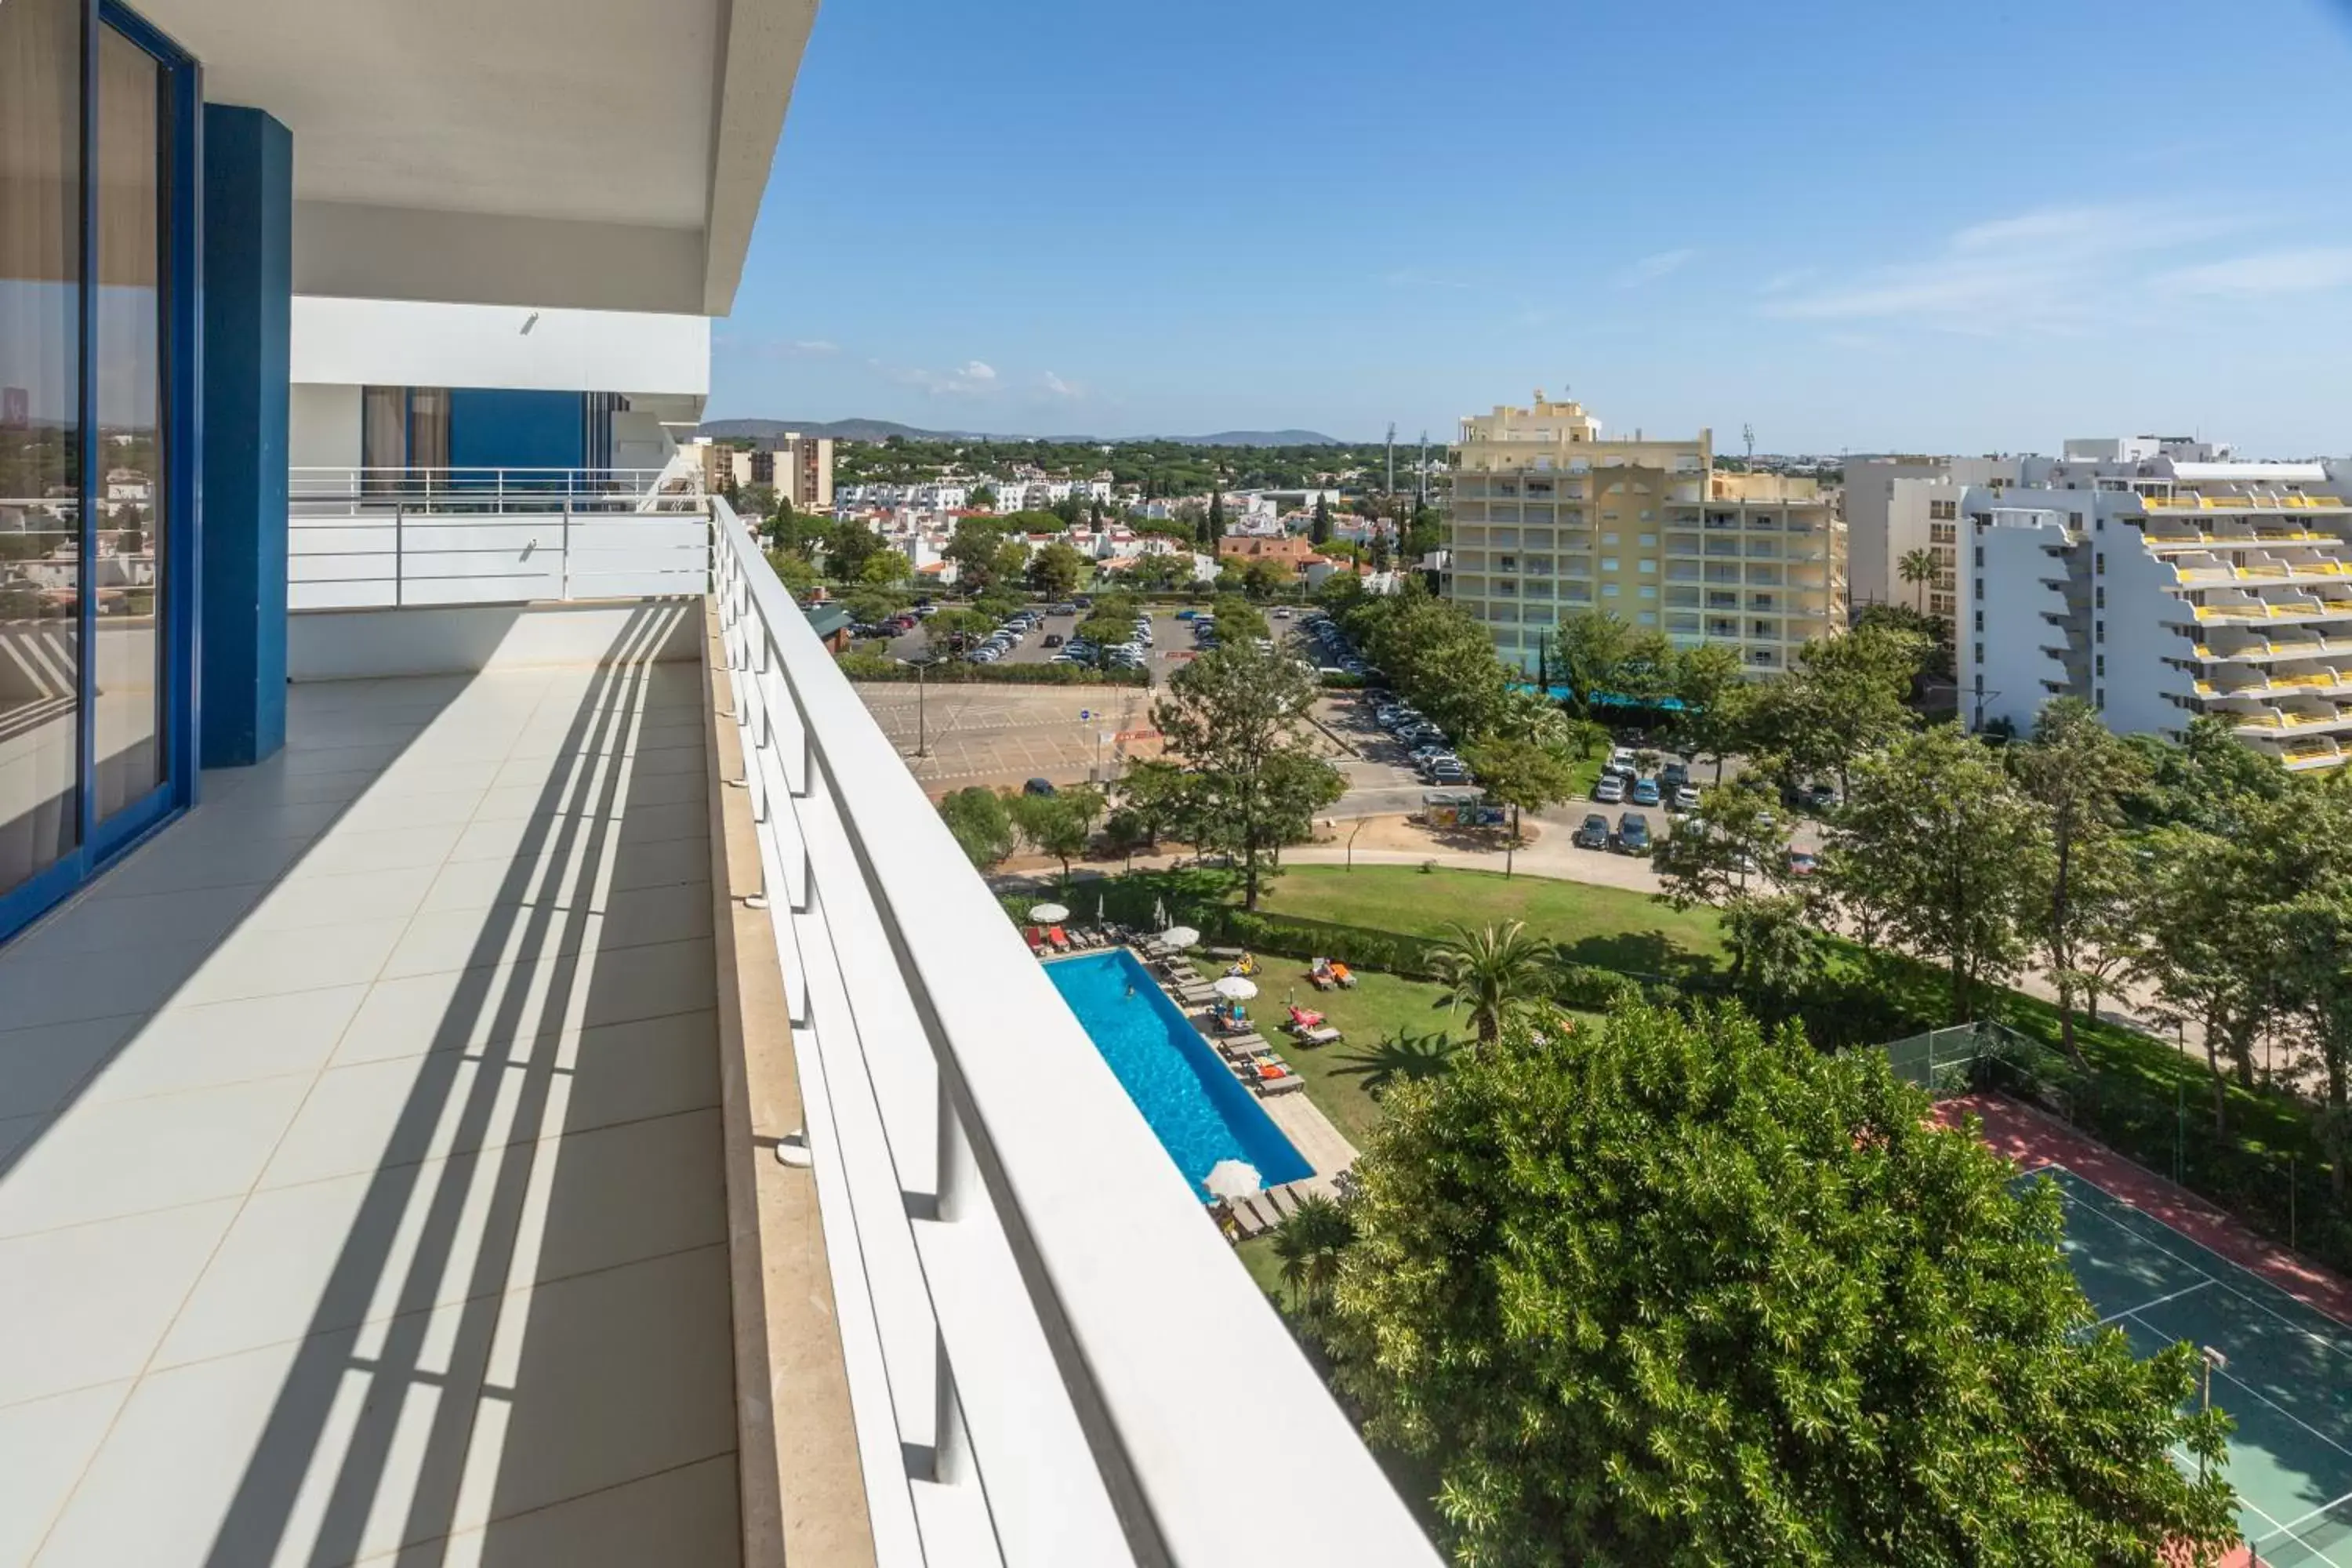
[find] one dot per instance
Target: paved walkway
(360, 1186)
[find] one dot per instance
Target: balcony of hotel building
(499, 1061)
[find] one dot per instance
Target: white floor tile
(684, 1518)
(328, 900)
(460, 938)
(219, 1043)
(89, 1304)
(43, 1447)
(311, 958)
(39, 1069)
(414, 1108)
(406, 808)
(39, 987)
(329, 1255)
(471, 1006)
(135, 1155)
(107, 923)
(387, 849)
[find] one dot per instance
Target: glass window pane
(428, 429)
(40, 432)
(129, 449)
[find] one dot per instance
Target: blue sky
(1856, 224)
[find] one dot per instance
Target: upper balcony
(575, 1102)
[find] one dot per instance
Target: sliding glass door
(97, 216)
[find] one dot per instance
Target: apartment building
(2160, 584)
(1893, 506)
(1549, 519)
(797, 467)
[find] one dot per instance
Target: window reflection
(124, 573)
(40, 466)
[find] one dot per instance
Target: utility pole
(1748, 434)
(1420, 490)
(1392, 487)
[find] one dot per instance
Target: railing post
(566, 566)
(399, 542)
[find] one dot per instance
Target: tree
(885, 569)
(1263, 578)
(1938, 847)
(2210, 780)
(849, 546)
(1526, 775)
(1495, 975)
(1212, 521)
(1056, 571)
(1234, 715)
(977, 549)
(2215, 962)
(1726, 851)
(1061, 823)
(1238, 620)
(1918, 567)
(982, 825)
(1162, 798)
(1846, 697)
(1590, 650)
(1310, 1245)
(2078, 773)
(1671, 1290)
(983, 495)
(1775, 951)
(1424, 535)
(1711, 692)
(793, 569)
(1318, 532)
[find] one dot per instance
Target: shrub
(875, 669)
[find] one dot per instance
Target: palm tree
(1917, 566)
(1495, 974)
(1310, 1244)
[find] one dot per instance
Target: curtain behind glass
(40, 436)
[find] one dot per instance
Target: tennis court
(2288, 1378)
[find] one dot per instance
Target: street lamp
(922, 711)
(2214, 1361)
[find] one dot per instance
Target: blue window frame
(105, 828)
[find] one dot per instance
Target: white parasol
(1235, 988)
(1181, 936)
(1233, 1179)
(1049, 913)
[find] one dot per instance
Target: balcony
(389, 1152)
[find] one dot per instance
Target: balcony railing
(1053, 1356)
(411, 537)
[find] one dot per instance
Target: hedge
(869, 667)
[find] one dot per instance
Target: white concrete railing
(362, 538)
(1054, 1358)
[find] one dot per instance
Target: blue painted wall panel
(248, 301)
(493, 427)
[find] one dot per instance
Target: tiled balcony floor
(360, 1185)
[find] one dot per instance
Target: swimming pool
(1199, 1111)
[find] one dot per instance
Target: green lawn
(1607, 927)
(1375, 1007)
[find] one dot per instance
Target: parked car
(1634, 833)
(1686, 799)
(1645, 792)
(1609, 791)
(1802, 863)
(1065, 609)
(1038, 786)
(1593, 832)
(1673, 775)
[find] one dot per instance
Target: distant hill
(883, 429)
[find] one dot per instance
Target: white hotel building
(2159, 585)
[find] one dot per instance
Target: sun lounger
(1266, 1087)
(1285, 1200)
(1249, 1045)
(1322, 1036)
(1306, 1018)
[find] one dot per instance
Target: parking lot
(1172, 642)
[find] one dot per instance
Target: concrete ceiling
(460, 149)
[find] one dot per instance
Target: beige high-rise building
(1550, 519)
(798, 467)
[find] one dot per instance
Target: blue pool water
(1201, 1113)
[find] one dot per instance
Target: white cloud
(1060, 388)
(2046, 268)
(811, 348)
(969, 379)
(1650, 269)
(2267, 272)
